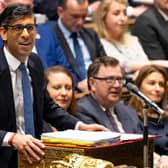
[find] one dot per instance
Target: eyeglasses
(19, 28)
(111, 79)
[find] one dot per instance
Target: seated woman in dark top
(152, 81)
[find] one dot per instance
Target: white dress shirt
(67, 33)
(165, 16)
(117, 121)
(17, 93)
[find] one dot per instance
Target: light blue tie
(79, 55)
(27, 99)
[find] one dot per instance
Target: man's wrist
(10, 142)
(77, 126)
(6, 139)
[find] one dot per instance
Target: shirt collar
(165, 16)
(12, 61)
(104, 109)
(65, 31)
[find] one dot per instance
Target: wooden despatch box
(130, 153)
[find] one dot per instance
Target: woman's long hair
(100, 17)
(143, 73)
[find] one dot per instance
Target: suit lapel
(100, 114)
(159, 22)
(89, 44)
(6, 89)
(122, 118)
(67, 50)
(34, 77)
(36, 86)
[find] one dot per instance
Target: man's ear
(92, 83)
(3, 33)
(60, 11)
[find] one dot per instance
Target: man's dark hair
(14, 12)
(62, 3)
(106, 61)
(95, 66)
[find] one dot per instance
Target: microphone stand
(145, 137)
(148, 103)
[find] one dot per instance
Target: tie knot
(74, 35)
(22, 67)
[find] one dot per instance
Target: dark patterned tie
(27, 99)
(79, 55)
(112, 120)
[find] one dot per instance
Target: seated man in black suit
(24, 101)
(71, 20)
(105, 82)
(151, 28)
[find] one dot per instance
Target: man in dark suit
(105, 81)
(46, 43)
(18, 31)
(151, 28)
(71, 20)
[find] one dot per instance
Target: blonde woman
(111, 24)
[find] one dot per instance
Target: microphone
(134, 90)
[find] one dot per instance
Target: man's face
(73, 16)
(19, 42)
(162, 4)
(107, 92)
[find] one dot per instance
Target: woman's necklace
(116, 46)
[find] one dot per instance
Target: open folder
(81, 138)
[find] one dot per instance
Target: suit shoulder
(45, 30)
(126, 110)
(87, 103)
(147, 15)
(144, 21)
(88, 31)
(83, 100)
(34, 58)
(124, 107)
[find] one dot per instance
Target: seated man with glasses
(101, 105)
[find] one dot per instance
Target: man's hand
(92, 127)
(29, 146)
